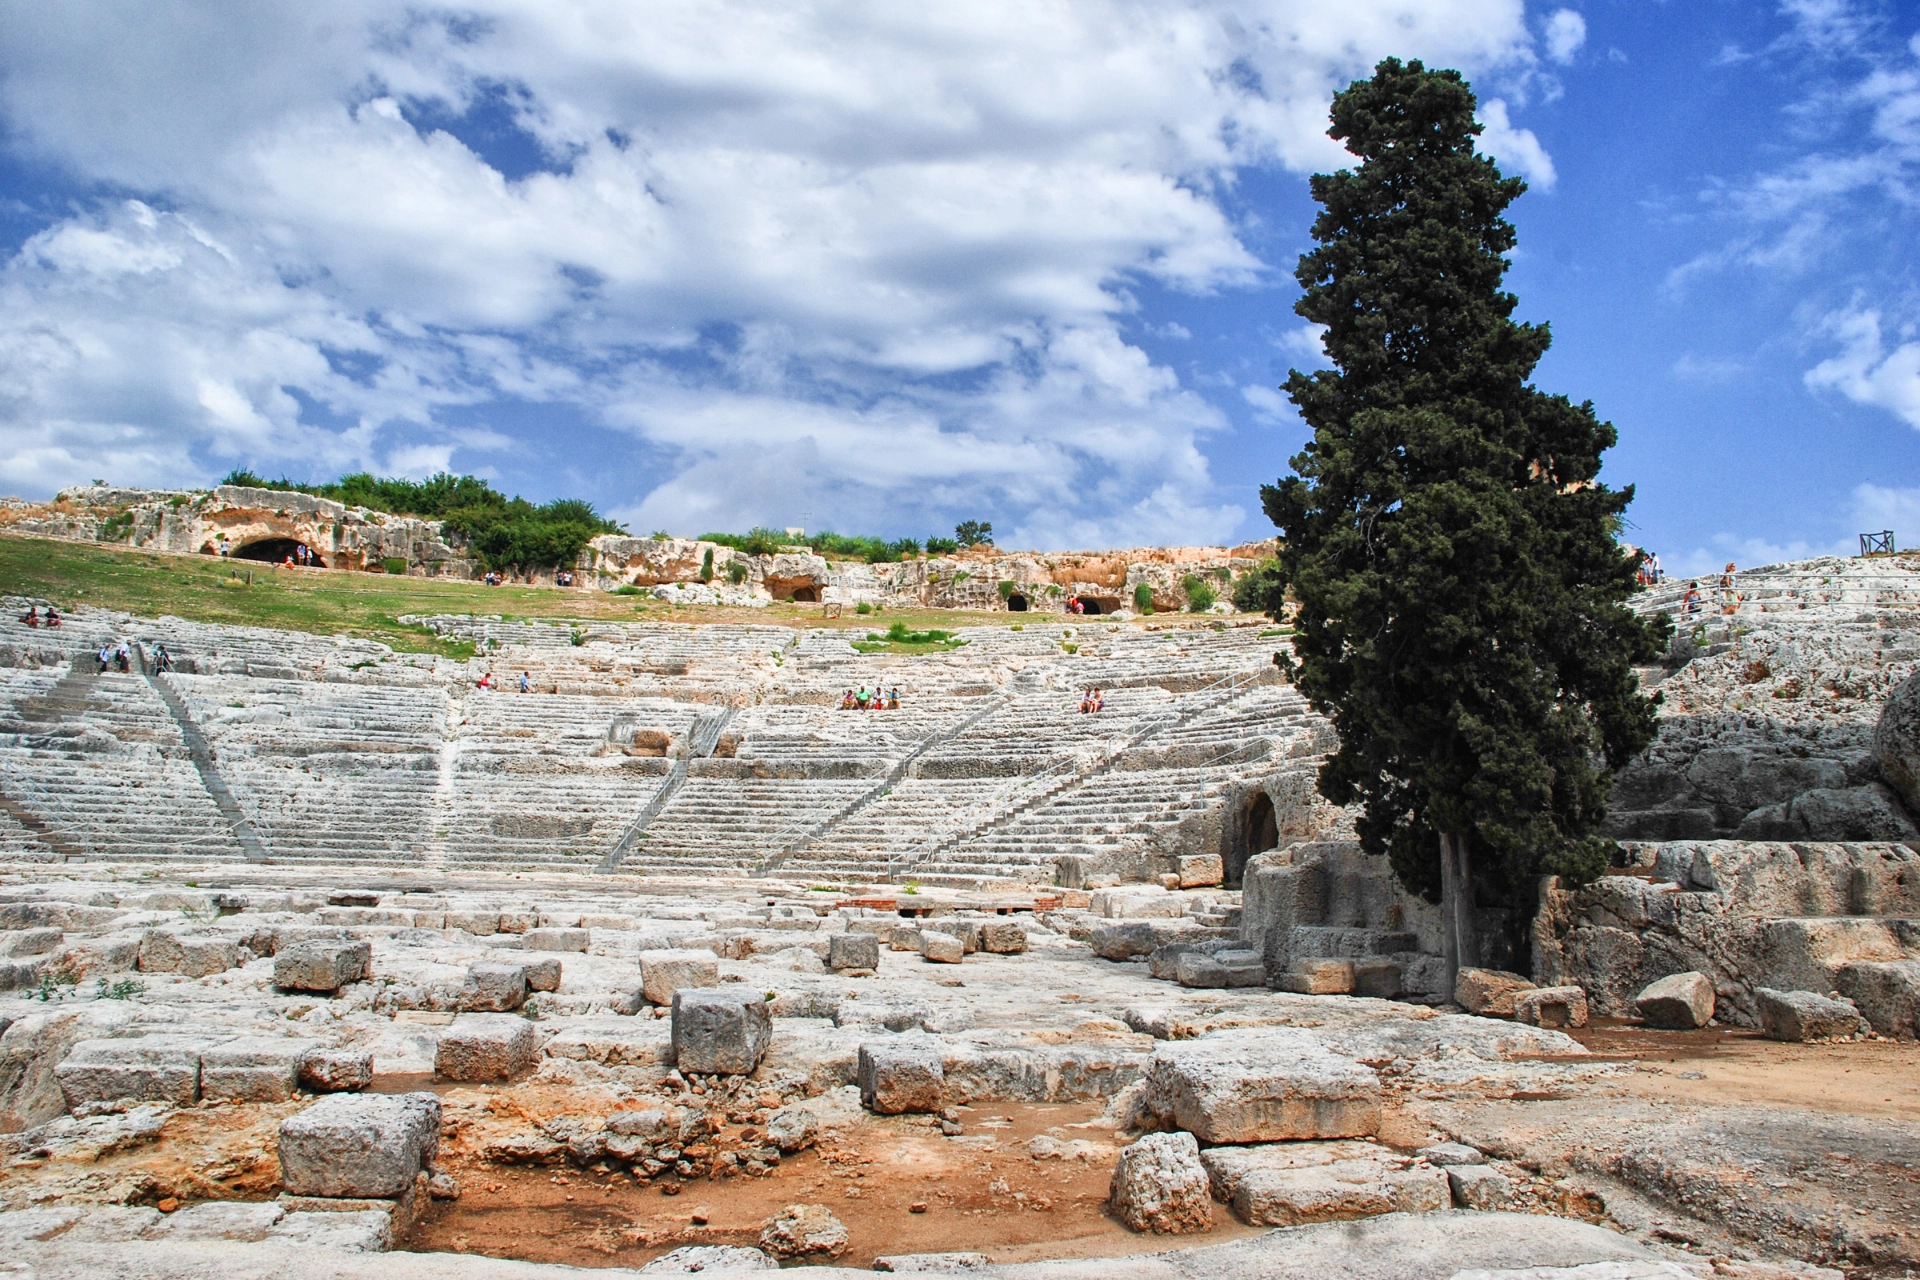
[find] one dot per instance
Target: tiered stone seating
(734, 824)
(99, 760)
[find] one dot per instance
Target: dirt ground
(1728, 1065)
(897, 1184)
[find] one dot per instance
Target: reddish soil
(1728, 1065)
(994, 1199)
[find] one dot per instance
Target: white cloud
(880, 252)
(1865, 371)
(1876, 508)
(1565, 32)
(1514, 147)
(1269, 404)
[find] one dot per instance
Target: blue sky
(714, 264)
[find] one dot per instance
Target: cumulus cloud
(881, 254)
(1866, 370)
(1514, 147)
(1565, 32)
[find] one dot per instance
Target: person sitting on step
(33, 616)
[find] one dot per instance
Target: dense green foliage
(506, 533)
(973, 533)
(834, 546)
(1460, 590)
(1262, 590)
(1200, 594)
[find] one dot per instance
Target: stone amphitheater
(320, 959)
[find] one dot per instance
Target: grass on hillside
(367, 605)
(900, 639)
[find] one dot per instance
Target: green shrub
(1143, 598)
(628, 589)
(863, 607)
(1261, 591)
(394, 564)
(706, 566)
(736, 573)
(114, 527)
(1006, 590)
(941, 546)
(1200, 596)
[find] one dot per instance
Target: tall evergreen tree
(1452, 555)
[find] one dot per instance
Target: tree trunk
(1456, 906)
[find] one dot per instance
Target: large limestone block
(1221, 969)
(1265, 1084)
(1887, 993)
(1316, 978)
(336, 1070)
(1896, 742)
(492, 987)
(543, 973)
(1804, 1015)
(902, 1075)
(254, 1069)
(321, 964)
(1293, 1184)
(556, 939)
(219, 1220)
(1488, 992)
(486, 1046)
(717, 1031)
(160, 1068)
(192, 955)
(1198, 871)
(359, 1145)
(714, 1259)
(802, 1230)
(1125, 939)
(1137, 902)
(665, 971)
(1160, 1186)
(1003, 938)
(1871, 812)
(853, 951)
(941, 948)
(1554, 1007)
(356, 1231)
(1678, 1002)
(1475, 1186)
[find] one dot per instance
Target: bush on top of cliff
(506, 533)
(836, 546)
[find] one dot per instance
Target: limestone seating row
(745, 817)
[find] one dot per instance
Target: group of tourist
(33, 618)
(1693, 601)
(564, 578)
(1092, 701)
(1650, 573)
(301, 557)
(111, 656)
(876, 700)
(493, 579)
(525, 682)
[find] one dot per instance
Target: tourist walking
(526, 680)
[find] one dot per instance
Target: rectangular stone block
(336, 1070)
(901, 1075)
(1199, 871)
(1003, 938)
(1126, 939)
(1489, 991)
(1475, 1186)
(942, 948)
(255, 1069)
(142, 1069)
(556, 939)
(1317, 978)
(321, 964)
(190, 954)
(543, 974)
(1553, 1007)
(1804, 1015)
(1137, 902)
(1220, 969)
(492, 987)
(1266, 1084)
(666, 971)
(359, 1144)
(486, 1046)
(1377, 978)
(853, 951)
(1295, 1184)
(219, 1220)
(479, 923)
(717, 1031)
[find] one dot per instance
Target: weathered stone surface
(336, 1070)
(1267, 1084)
(255, 1069)
(1447, 1154)
(853, 951)
(793, 1129)
(556, 939)
(1125, 939)
(800, 1230)
(902, 1074)
(1003, 938)
(1887, 993)
(713, 1259)
(1896, 742)
(321, 964)
(1159, 1185)
(1489, 992)
(160, 1068)
(942, 948)
(1317, 978)
(1220, 969)
(219, 1220)
(1678, 1002)
(1296, 1183)
(194, 955)
(1198, 871)
(543, 973)
(486, 1046)
(950, 1263)
(492, 987)
(665, 971)
(720, 1031)
(355, 1231)
(1805, 1015)
(1136, 902)
(1871, 812)
(1380, 979)
(1474, 1186)
(359, 1144)
(1551, 1007)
